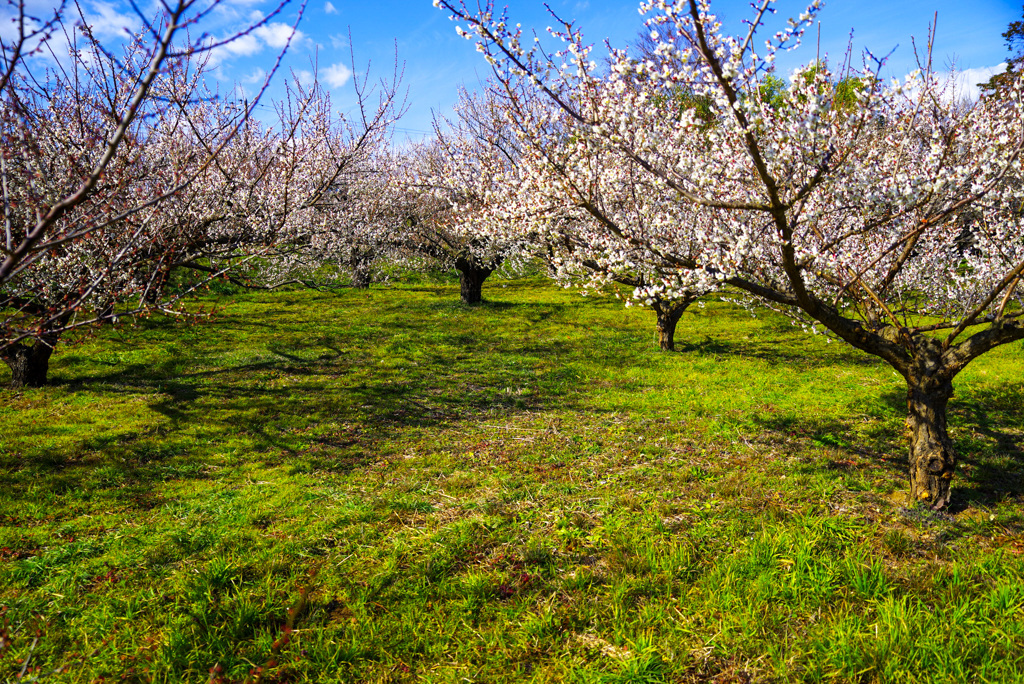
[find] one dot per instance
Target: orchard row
(884, 214)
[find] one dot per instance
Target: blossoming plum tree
(894, 225)
(329, 201)
(35, 69)
(456, 188)
(93, 146)
(600, 219)
(351, 192)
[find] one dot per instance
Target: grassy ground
(522, 491)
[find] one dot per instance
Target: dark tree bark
(360, 265)
(471, 280)
(361, 278)
(929, 388)
(932, 459)
(669, 314)
(29, 363)
(668, 311)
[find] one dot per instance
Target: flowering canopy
(457, 186)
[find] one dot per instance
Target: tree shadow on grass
(775, 351)
(987, 424)
(988, 433)
(419, 394)
(838, 448)
(989, 427)
(309, 402)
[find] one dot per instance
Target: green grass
(527, 490)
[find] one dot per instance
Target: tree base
(361, 280)
(471, 283)
(29, 364)
(669, 314)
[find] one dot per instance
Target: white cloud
(337, 75)
(330, 8)
(305, 77)
(339, 41)
(276, 34)
(227, 11)
(107, 22)
(245, 46)
(958, 86)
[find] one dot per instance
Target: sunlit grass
(527, 490)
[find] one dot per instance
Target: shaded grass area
(521, 491)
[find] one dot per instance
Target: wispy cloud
(968, 80)
(108, 22)
(257, 75)
(337, 75)
(330, 8)
(339, 41)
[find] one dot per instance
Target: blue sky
(437, 61)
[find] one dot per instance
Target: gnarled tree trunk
(669, 314)
(29, 363)
(361, 279)
(932, 459)
(360, 266)
(471, 280)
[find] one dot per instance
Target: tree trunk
(361, 278)
(360, 266)
(932, 459)
(471, 282)
(669, 314)
(106, 314)
(29, 363)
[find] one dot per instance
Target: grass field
(388, 486)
